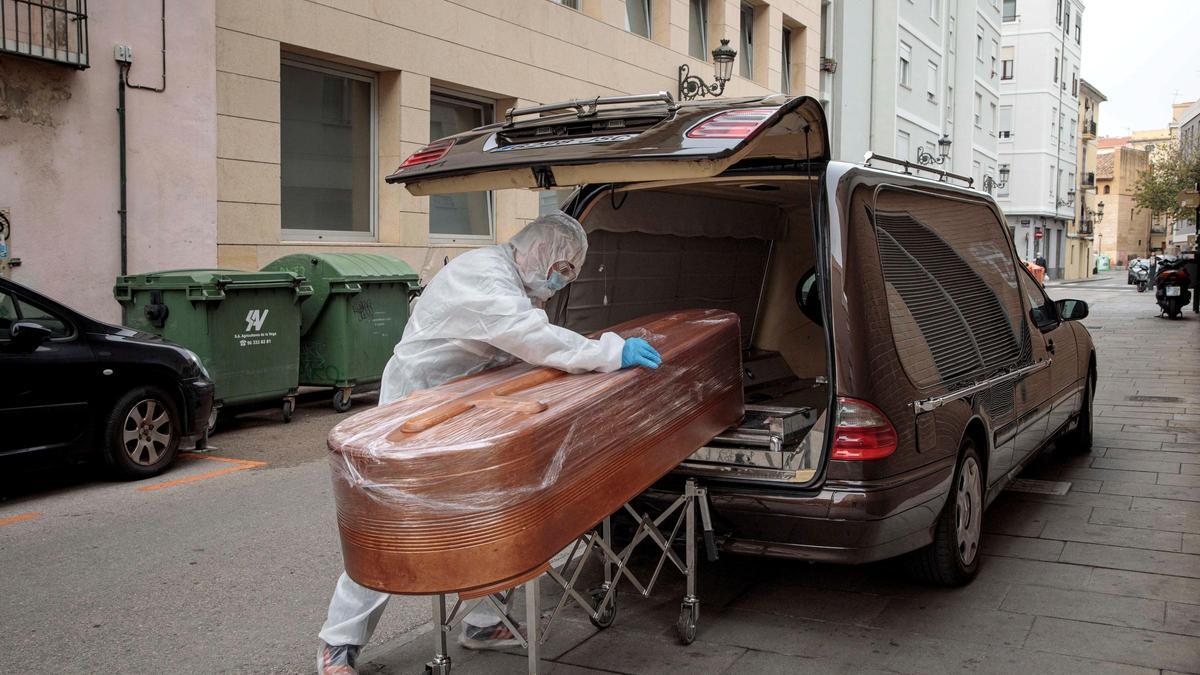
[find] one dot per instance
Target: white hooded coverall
(481, 310)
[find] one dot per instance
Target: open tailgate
(661, 141)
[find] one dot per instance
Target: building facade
(900, 76)
(283, 117)
(1039, 63)
(1125, 233)
(1082, 229)
(1184, 237)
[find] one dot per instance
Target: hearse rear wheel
(953, 557)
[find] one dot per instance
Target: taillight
(731, 124)
(430, 153)
(862, 431)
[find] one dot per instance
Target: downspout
(871, 99)
(122, 84)
(1062, 84)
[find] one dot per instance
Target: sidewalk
(1103, 579)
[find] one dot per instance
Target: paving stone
(1186, 448)
(1084, 485)
(1183, 618)
(1179, 479)
(948, 621)
(618, 651)
(1161, 455)
(1135, 465)
(1116, 536)
(1145, 585)
(1191, 543)
(1126, 441)
(1191, 509)
(1113, 610)
(1164, 522)
(1156, 491)
(1076, 499)
(1109, 474)
(1029, 548)
(1151, 649)
(1189, 469)
(822, 604)
(1035, 572)
(1026, 519)
(1137, 559)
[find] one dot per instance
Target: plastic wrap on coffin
(477, 483)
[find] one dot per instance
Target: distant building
(1124, 233)
(1039, 104)
(1081, 233)
(901, 75)
(1188, 121)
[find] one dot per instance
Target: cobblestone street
(1102, 579)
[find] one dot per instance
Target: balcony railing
(1089, 179)
(1089, 128)
(48, 30)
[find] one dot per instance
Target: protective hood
(543, 242)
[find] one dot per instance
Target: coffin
(474, 485)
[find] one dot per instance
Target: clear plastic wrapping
(480, 481)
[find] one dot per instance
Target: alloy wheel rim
(968, 511)
(146, 434)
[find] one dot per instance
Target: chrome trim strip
(935, 402)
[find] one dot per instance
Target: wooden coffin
(476, 484)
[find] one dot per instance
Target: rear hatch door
(613, 141)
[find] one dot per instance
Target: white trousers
(354, 611)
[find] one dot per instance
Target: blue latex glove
(638, 352)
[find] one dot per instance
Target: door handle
(1050, 346)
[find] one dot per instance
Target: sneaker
(488, 637)
(337, 660)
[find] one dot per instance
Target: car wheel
(142, 433)
(1080, 438)
(953, 557)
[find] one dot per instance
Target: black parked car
(70, 384)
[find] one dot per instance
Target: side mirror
(1071, 310)
(28, 336)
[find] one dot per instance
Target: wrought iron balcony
(1089, 129)
(1089, 179)
(47, 30)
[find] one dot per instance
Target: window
(978, 108)
(993, 117)
(637, 17)
(979, 47)
(977, 172)
(1010, 10)
(550, 201)
(573, 4)
(327, 151)
(1056, 66)
(786, 73)
(698, 29)
(1074, 82)
(995, 48)
(931, 81)
(464, 215)
(13, 310)
(1041, 310)
(903, 147)
(1078, 28)
(1053, 116)
(746, 53)
(905, 65)
(1004, 126)
(1067, 20)
(935, 10)
(1058, 13)
(1105, 189)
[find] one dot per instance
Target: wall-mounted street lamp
(691, 86)
(924, 156)
(1070, 201)
(990, 184)
(1099, 212)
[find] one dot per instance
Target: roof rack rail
(586, 107)
(943, 176)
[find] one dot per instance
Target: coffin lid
(617, 145)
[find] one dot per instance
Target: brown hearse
(899, 365)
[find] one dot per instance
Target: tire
(1080, 438)
(953, 557)
(342, 400)
(142, 432)
(1141, 286)
(1174, 308)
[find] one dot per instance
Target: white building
(905, 73)
(1039, 104)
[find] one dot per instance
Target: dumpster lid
(191, 278)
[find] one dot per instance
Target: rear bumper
(197, 406)
(843, 522)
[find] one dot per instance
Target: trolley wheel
(689, 616)
(342, 400)
(289, 407)
(606, 617)
(442, 668)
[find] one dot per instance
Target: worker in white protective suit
(482, 309)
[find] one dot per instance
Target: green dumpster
(245, 326)
(354, 319)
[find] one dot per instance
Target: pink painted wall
(59, 163)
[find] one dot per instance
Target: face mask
(556, 282)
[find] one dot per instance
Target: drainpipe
(123, 83)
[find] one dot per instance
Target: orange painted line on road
(20, 518)
(241, 465)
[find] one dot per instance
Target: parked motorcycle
(1139, 273)
(1172, 287)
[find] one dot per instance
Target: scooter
(1172, 286)
(1141, 276)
